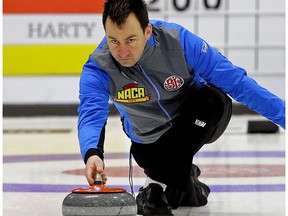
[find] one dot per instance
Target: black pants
(204, 117)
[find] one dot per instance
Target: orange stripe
(52, 6)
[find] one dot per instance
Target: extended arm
(216, 69)
(93, 113)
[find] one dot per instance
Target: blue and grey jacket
(149, 94)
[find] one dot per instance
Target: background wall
(46, 43)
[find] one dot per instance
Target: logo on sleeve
(204, 47)
(132, 93)
(173, 83)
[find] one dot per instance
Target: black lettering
(208, 5)
(34, 29)
(151, 8)
(181, 8)
(89, 29)
(49, 30)
(63, 30)
(75, 29)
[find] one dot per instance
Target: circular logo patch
(173, 83)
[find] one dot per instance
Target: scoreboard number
(180, 5)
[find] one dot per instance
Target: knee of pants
(224, 115)
(205, 106)
(213, 107)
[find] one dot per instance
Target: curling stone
(99, 200)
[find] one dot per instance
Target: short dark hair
(119, 10)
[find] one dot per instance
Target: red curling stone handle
(98, 188)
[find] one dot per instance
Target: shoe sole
(153, 212)
(149, 214)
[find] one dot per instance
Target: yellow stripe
(45, 59)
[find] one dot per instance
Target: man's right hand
(94, 165)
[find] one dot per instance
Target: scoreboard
(251, 33)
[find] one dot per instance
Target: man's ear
(148, 31)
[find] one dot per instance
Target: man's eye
(114, 41)
(131, 40)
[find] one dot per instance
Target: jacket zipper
(124, 74)
(156, 90)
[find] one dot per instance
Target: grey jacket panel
(148, 94)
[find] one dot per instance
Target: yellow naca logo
(132, 93)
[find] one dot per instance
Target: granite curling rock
(99, 200)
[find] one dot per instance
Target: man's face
(127, 43)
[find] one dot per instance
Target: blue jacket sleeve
(214, 68)
(94, 106)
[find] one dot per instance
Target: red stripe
(52, 6)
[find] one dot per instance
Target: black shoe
(195, 195)
(152, 201)
(202, 190)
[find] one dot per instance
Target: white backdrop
(251, 33)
